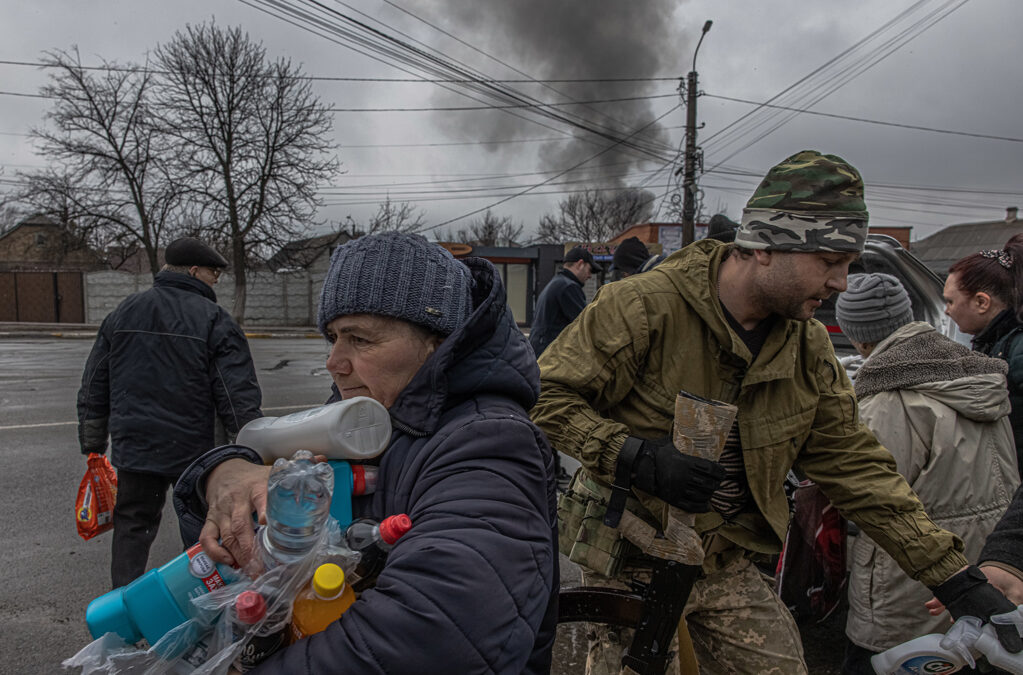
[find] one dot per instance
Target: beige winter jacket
(942, 412)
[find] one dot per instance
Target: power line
(601, 169)
(447, 109)
(413, 190)
(865, 120)
(386, 80)
(872, 185)
(549, 139)
(430, 199)
(361, 146)
(541, 104)
(18, 93)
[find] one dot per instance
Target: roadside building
(944, 247)
(42, 265)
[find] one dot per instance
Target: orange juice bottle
(321, 602)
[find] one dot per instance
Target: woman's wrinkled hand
(234, 491)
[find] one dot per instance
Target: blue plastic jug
(159, 600)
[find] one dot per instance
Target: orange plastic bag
(94, 509)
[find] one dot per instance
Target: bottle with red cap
(321, 602)
(266, 634)
(373, 541)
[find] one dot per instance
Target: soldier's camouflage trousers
(737, 623)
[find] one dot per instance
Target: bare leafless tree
(251, 137)
(595, 216)
(113, 183)
(391, 217)
(490, 230)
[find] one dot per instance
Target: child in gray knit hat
(872, 307)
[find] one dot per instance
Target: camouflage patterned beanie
(810, 202)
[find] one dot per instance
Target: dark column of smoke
(570, 39)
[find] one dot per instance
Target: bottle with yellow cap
(321, 602)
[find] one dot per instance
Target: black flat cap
(189, 251)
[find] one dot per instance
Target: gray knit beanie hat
(873, 307)
(402, 276)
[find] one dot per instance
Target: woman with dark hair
(983, 295)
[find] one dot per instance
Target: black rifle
(654, 610)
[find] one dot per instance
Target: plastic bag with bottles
(221, 630)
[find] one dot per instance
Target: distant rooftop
(948, 245)
(301, 253)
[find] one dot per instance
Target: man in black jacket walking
(168, 363)
(559, 303)
(562, 299)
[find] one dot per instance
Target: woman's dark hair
(997, 273)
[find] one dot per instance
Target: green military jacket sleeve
(616, 370)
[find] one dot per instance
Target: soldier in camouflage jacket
(732, 323)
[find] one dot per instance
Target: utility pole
(692, 152)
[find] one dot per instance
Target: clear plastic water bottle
(298, 502)
(373, 541)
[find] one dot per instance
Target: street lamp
(689, 179)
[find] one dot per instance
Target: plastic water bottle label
(201, 567)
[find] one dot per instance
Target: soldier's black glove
(681, 480)
(968, 593)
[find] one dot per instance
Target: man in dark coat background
(559, 303)
(562, 299)
(167, 364)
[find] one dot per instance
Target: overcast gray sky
(950, 65)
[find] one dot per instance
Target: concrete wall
(105, 290)
(287, 299)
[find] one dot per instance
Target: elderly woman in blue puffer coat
(472, 588)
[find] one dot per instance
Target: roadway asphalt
(51, 574)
